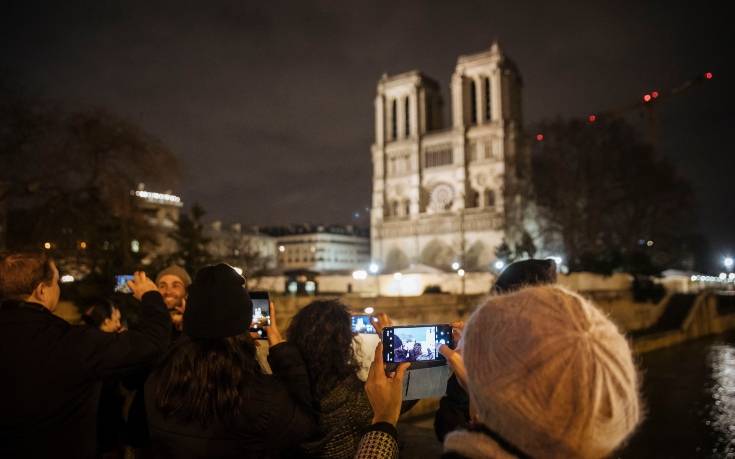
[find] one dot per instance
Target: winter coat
(276, 416)
(53, 371)
(344, 414)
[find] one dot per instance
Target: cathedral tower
(444, 195)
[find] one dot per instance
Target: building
(322, 249)
(161, 212)
(248, 249)
(449, 194)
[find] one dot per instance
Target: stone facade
(448, 194)
(244, 248)
(323, 251)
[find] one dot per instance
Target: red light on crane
(654, 94)
(539, 137)
(592, 118)
(647, 98)
(708, 75)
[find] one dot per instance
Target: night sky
(269, 105)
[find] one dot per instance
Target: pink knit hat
(551, 374)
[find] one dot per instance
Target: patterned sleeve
(379, 442)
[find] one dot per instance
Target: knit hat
(178, 271)
(219, 305)
(551, 374)
(525, 273)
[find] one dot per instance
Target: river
(689, 392)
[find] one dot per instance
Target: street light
(499, 264)
(728, 262)
(455, 266)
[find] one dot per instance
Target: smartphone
(121, 283)
(416, 343)
(363, 323)
(261, 313)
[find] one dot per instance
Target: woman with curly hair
(323, 332)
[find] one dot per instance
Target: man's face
(173, 291)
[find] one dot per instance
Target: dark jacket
(52, 373)
(277, 416)
(454, 410)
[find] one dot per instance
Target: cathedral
(446, 194)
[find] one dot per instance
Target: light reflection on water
(721, 417)
(689, 398)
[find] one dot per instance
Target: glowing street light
(499, 264)
(557, 259)
(728, 262)
(460, 272)
(455, 266)
(360, 274)
(374, 268)
(66, 278)
(47, 245)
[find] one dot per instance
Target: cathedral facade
(449, 194)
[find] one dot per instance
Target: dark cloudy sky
(269, 105)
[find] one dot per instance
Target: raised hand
(140, 285)
(385, 392)
(274, 334)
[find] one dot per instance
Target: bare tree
(72, 174)
(609, 196)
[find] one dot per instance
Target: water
(689, 392)
(689, 396)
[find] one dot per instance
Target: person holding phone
(454, 407)
(49, 401)
(547, 373)
(322, 331)
(209, 396)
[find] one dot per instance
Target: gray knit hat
(178, 271)
(551, 374)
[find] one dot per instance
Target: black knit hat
(219, 305)
(525, 273)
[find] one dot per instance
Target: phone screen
(261, 313)
(362, 323)
(415, 343)
(121, 283)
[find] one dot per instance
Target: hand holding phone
(140, 285)
(385, 391)
(261, 314)
(416, 343)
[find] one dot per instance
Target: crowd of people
(538, 371)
